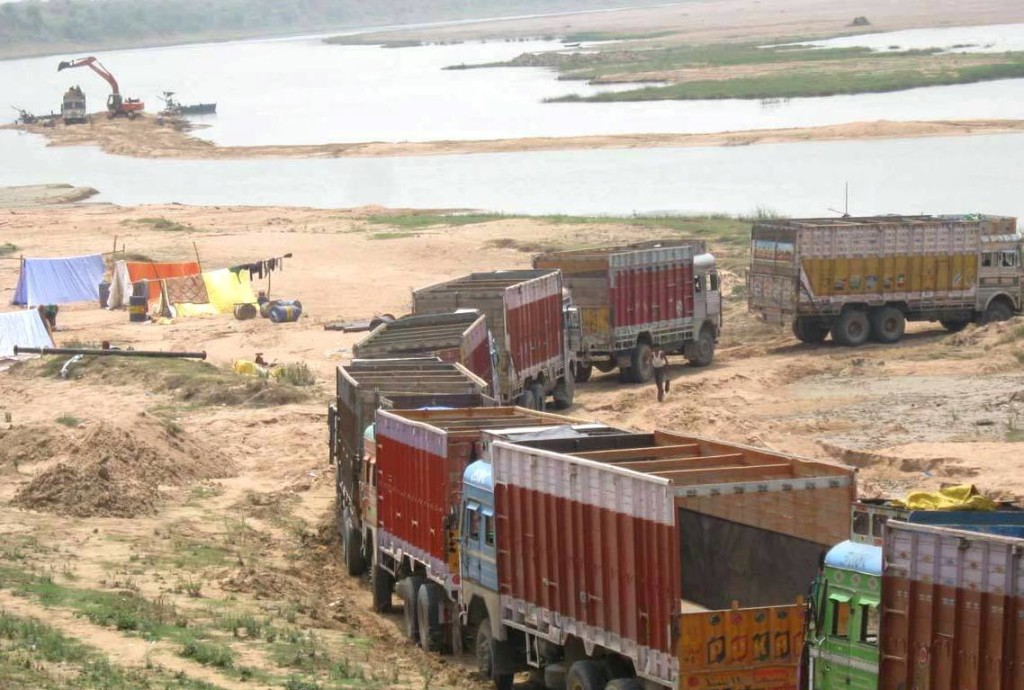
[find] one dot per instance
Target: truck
(72, 107)
(526, 317)
(936, 607)
(363, 386)
(460, 337)
(862, 279)
(597, 558)
(415, 478)
(661, 293)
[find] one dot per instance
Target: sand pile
(117, 471)
(24, 445)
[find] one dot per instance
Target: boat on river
(173, 108)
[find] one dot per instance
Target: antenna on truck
(845, 213)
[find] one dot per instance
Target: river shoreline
(147, 138)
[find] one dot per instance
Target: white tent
(24, 329)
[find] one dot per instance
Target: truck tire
(625, 374)
(537, 390)
(888, 324)
(383, 585)
(485, 657)
(997, 310)
(410, 587)
(642, 369)
(428, 603)
(809, 329)
(564, 394)
(704, 350)
(355, 564)
(605, 367)
(582, 372)
(852, 328)
(954, 325)
(585, 675)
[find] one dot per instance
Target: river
(940, 175)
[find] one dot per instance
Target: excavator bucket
(63, 65)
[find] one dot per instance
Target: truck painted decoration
(613, 549)
(460, 337)
(524, 313)
(936, 606)
(662, 293)
(861, 278)
(362, 387)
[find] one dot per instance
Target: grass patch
(7, 248)
(26, 642)
(392, 235)
(69, 421)
(297, 374)
(810, 84)
(208, 653)
(124, 611)
(427, 219)
(159, 224)
(593, 36)
(195, 383)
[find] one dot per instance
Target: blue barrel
(284, 313)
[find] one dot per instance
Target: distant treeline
(34, 24)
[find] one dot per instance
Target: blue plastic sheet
(59, 281)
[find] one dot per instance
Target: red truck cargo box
(524, 315)
(952, 610)
(622, 533)
(421, 456)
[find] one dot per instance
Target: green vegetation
(26, 642)
(34, 25)
(69, 420)
(807, 84)
(161, 224)
(190, 382)
(592, 36)
(7, 248)
(208, 653)
(717, 229)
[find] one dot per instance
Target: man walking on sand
(660, 363)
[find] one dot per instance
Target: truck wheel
(383, 584)
(887, 324)
(485, 657)
(564, 394)
(642, 368)
(605, 367)
(704, 350)
(585, 675)
(808, 329)
(538, 396)
(355, 564)
(954, 325)
(525, 400)
(626, 374)
(851, 328)
(428, 603)
(410, 588)
(997, 311)
(582, 372)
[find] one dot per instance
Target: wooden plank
(690, 463)
(648, 453)
(736, 474)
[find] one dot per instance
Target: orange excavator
(116, 105)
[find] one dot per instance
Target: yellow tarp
(963, 497)
(226, 289)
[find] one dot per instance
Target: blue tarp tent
(24, 329)
(59, 281)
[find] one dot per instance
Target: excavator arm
(96, 67)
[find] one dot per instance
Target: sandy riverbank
(145, 138)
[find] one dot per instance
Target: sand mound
(23, 445)
(117, 471)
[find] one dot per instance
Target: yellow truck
(862, 279)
